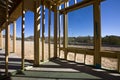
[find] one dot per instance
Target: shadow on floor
(59, 69)
(56, 69)
(14, 64)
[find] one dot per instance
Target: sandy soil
(29, 54)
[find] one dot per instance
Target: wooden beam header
(79, 5)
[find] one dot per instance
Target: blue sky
(80, 22)
(110, 17)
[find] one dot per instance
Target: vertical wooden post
(7, 34)
(14, 36)
(43, 30)
(75, 56)
(55, 31)
(59, 30)
(7, 46)
(118, 63)
(49, 31)
(22, 33)
(65, 33)
(37, 18)
(97, 34)
(1, 40)
(8, 38)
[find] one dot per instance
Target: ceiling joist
(12, 4)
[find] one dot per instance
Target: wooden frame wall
(96, 52)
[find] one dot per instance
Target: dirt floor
(29, 54)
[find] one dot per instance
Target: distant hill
(29, 38)
(111, 40)
(107, 40)
(17, 38)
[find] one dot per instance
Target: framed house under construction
(11, 10)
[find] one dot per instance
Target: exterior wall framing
(43, 31)
(7, 41)
(97, 34)
(55, 31)
(37, 18)
(22, 33)
(49, 32)
(65, 33)
(1, 40)
(14, 37)
(96, 52)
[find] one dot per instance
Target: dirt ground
(29, 54)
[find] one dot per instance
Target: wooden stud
(85, 56)
(43, 31)
(97, 34)
(59, 30)
(1, 40)
(65, 33)
(55, 31)
(75, 54)
(14, 36)
(37, 19)
(118, 63)
(22, 33)
(7, 46)
(7, 40)
(49, 31)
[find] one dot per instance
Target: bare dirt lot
(29, 54)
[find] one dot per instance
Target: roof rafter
(12, 4)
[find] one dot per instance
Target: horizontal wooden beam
(90, 51)
(48, 4)
(61, 2)
(76, 50)
(108, 54)
(57, 2)
(79, 5)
